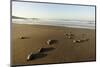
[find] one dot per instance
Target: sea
(58, 22)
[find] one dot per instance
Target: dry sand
(63, 51)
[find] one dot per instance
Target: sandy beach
(64, 50)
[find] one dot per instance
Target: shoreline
(58, 26)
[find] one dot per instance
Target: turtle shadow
(22, 37)
(46, 49)
(54, 41)
(37, 56)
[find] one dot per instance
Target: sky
(53, 11)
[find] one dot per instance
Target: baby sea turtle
(50, 42)
(31, 56)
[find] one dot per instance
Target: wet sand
(64, 50)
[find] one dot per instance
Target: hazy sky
(53, 11)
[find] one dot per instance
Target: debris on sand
(76, 41)
(22, 37)
(80, 40)
(50, 42)
(69, 35)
